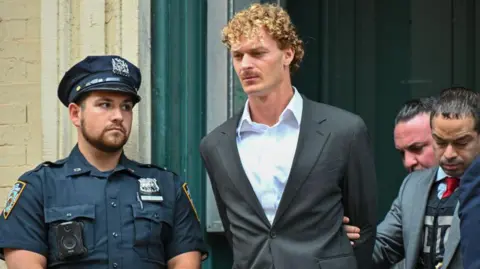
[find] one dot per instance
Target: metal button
(114, 234)
(155, 215)
(115, 265)
(113, 204)
(69, 215)
(77, 169)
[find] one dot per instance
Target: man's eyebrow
(103, 99)
(467, 136)
(416, 144)
(255, 49)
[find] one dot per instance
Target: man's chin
(255, 90)
(113, 146)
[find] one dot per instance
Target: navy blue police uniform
(134, 216)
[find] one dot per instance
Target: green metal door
(370, 56)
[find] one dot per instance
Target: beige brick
(25, 50)
(12, 30)
(19, 92)
(34, 146)
(12, 113)
(13, 173)
(34, 117)
(12, 70)
(33, 72)
(12, 155)
(14, 134)
(3, 196)
(19, 9)
(33, 28)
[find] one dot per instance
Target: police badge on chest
(149, 190)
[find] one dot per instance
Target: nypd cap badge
(13, 197)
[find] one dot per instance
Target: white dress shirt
(442, 187)
(267, 152)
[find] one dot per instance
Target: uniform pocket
(81, 213)
(153, 225)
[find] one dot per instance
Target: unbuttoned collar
(293, 112)
(77, 165)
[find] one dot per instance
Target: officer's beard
(101, 143)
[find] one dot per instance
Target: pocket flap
(68, 213)
(154, 213)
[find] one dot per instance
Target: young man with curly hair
(286, 169)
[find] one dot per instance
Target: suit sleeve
(218, 200)
(360, 194)
(469, 213)
(389, 247)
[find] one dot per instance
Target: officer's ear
(75, 111)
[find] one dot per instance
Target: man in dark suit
(286, 169)
(412, 137)
(423, 226)
(469, 213)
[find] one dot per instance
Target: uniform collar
(77, 165)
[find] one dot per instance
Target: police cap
(106, 73)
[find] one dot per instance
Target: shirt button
(113, 204)
(115, 265)
(114, 234)
(273, 234)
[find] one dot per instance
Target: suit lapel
(422, 191)
(228, 153)
(452, 240)
(311, 141)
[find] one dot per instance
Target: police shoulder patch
(187, 193)
(13, 197)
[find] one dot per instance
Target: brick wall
(20, 120)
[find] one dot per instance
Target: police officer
(96, 208)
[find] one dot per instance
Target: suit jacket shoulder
(411, 182)
(337, 119)
(212, 138)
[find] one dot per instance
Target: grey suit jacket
(332, 175)
(400, 234)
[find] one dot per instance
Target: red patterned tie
(452, 184)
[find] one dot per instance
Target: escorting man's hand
(353, 232)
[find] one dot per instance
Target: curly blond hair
(274, 19)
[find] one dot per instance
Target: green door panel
(370, 56)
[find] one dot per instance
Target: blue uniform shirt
(121, 227)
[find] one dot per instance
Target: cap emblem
(120, 67)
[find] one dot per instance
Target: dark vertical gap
(452, 41)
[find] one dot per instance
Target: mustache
(248, 74)
(115, 127)
(453, 162)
